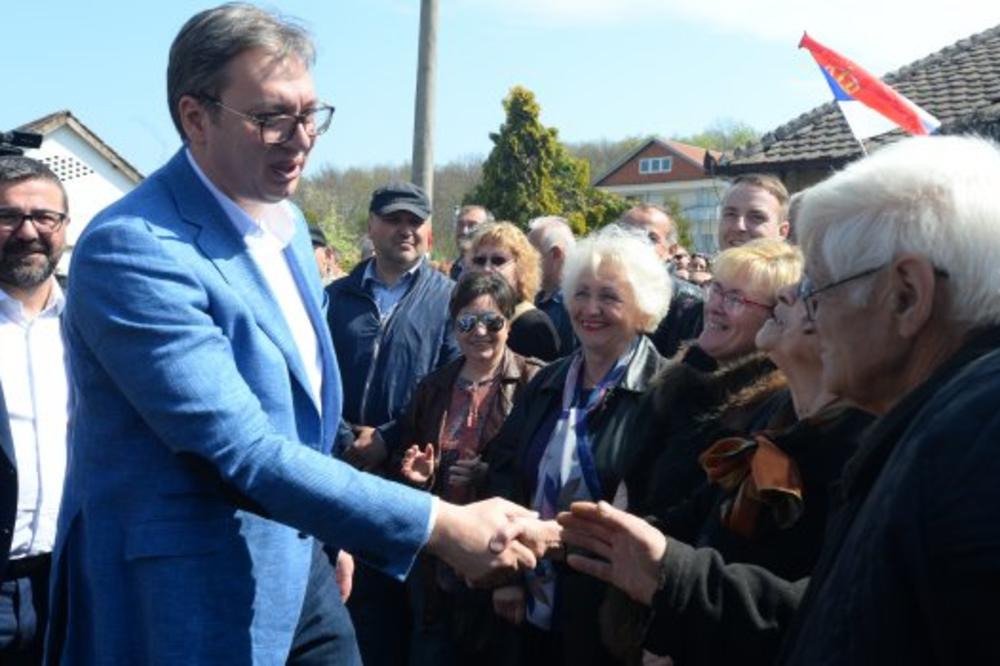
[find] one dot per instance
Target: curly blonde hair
(528, 263)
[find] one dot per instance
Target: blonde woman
(503, 249)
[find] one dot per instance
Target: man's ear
(784, 228)
(912, 280)
(194, 117)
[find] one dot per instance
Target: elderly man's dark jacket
(381, 361)
(8, 486)
(910, 570)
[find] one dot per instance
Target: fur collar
(702, 385)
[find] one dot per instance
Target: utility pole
(423, 116)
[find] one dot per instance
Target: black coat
(819, 447)
(533, 335)
(691, 405)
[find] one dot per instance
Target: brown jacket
(424, 417)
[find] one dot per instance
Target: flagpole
(861, 143)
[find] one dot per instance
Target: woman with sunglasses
(454, 411)
(570, 436)
(503, 249)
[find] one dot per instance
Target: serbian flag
(870, 107)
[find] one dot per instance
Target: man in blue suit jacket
(208, 393)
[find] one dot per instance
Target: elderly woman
(569, 436)
(503, 249)
(453, 413)
(911, 563)
(720, 383)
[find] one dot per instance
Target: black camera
(14, 142)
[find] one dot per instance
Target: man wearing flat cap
(389, 323)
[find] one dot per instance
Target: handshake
(488, 542)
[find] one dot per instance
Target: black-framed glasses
(495, 260)
(808, 292)
(278, 128)
(47, 221)
(490, 320)
(733, 301)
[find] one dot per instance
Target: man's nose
(27, 230)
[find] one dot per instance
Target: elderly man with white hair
(552, 236)
(901, 257)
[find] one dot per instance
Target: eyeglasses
(495, 260)
(732, 301)
(47, 221)
(278, 128)
(808, 292)
(490, 320)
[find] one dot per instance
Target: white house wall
(92, 182)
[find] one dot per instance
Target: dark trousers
(324, 635)
(24, 611)
(381, 617)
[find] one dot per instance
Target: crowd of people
(560, 450)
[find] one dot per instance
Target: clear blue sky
(600, 68)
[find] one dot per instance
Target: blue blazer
(199, 461)
(8, 485)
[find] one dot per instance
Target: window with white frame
(656, 165)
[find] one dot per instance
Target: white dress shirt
(33, 374)
(266, 239)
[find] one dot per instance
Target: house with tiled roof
(94, 174)
(659, 170)
(959, 84)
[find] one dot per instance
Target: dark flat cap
(399, 195)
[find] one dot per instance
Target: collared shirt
(265, 240)
(386, 297)
(33, 374)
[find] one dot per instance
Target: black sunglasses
(495, 259)
(491, 320)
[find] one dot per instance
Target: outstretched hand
(417, 466)
(479, 541)
(628, 549)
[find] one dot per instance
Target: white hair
(932, 196)
(629, 251)
(554, 231)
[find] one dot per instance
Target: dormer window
(656, 164)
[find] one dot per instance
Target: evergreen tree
(529, 173)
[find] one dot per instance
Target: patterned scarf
(567, 472)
